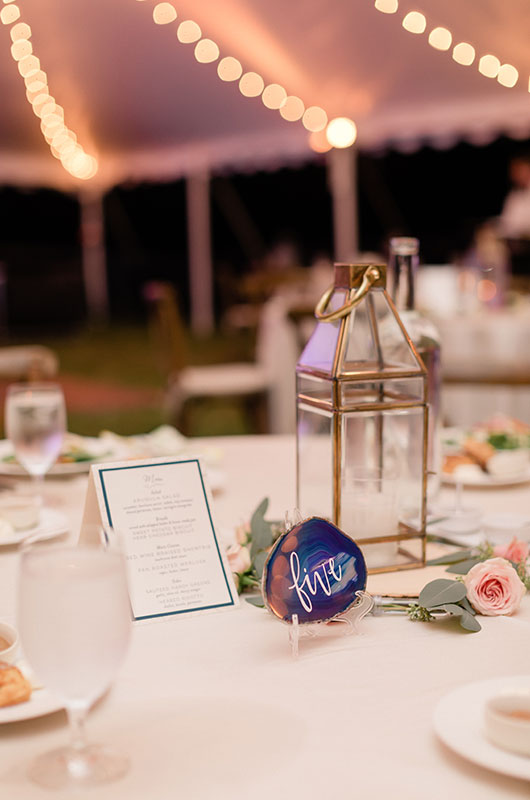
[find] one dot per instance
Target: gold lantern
(362, 420)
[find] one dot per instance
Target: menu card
(161, 509)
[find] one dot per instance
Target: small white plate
(459, 722)
(52, 523)
(93, 445)
(39, 704)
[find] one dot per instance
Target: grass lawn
(124, 356)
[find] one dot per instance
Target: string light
(9, 14)
(387, 6)
(20, 31)
(489, 66)
(62, 141)
(252, 84)
(293, 109)
(164, 13)
(188, 32)
(463, 52)
(440, 38)
(414, 22)
(229, 69)
(508, 76)
(274, 96)
(318, 141)
(341, 132)
(314, 119)
(206, 51)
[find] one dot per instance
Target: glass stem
(76, 719)
(458, 496)
(38, 486)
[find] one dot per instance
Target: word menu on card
(161, 511)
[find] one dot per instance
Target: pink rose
(515, 551)
(243, 533)
(494, 587)
(238, 558)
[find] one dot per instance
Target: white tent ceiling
(139, 100)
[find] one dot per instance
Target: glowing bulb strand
(462, 52)
(61, 140)
(340, 132)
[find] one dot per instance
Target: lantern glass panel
(390, 442)
(320, 350)
(315, 461)
(403, 390)
(318, 389)
(372, 335)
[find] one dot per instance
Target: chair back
(166, 328)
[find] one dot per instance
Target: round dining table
(215, 706)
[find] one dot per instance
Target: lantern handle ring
(356, 295)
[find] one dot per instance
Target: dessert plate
(39, 704)
(459, 723)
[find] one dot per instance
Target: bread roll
(14, 687)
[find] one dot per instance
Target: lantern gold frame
(358, 280)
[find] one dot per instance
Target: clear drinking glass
(35, 423)
(74, 622)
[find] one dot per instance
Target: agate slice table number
(315, 573)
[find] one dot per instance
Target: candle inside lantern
(369, 511)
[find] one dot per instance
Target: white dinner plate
(452, 439)
(93, 445)
(52, 523)
(486, 480)
(39, 704)
(459, 722)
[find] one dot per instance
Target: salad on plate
(498, 449)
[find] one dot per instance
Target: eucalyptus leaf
(256, 600)
(261, 530)
(450, 558)
(454, 609)
(468, 607)
(464, 566)
(469, 622)
(440, 591)
(259, 562)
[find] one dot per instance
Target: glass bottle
(403, 265)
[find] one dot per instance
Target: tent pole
(93, 255)
(200, 252)
(342, 182)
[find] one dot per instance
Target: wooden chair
(245, 382)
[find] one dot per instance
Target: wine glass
(458, 517)
(74, 623)
(35, 423)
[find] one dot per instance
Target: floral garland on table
(247, 556)
(491, 580)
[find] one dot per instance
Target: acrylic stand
(343, 625)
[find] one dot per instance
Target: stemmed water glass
(35, 424)
(74, 622)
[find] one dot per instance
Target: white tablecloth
(213, 706)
